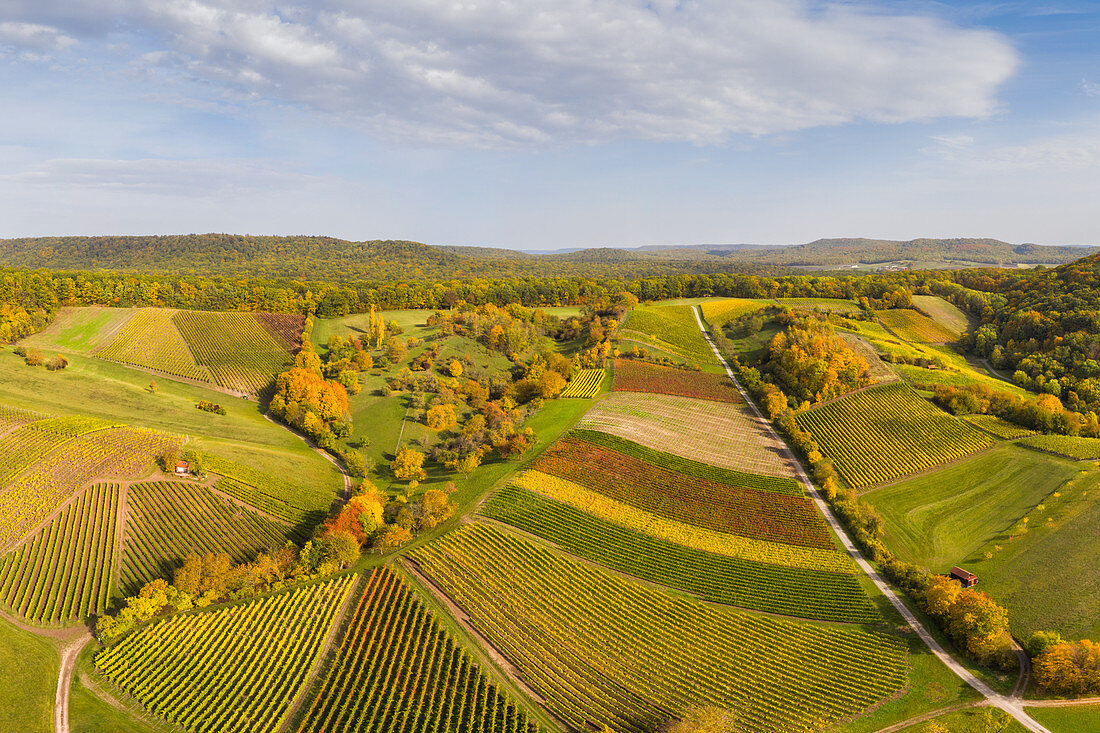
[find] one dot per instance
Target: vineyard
(688, 467)
(239, 352)
(718, 433)
(235, 669)
(1070, 446)
(13, 417)
(167, 521)
(999, 427)
(712, 577)
(397, 670)
(601, 650)
(914, 326)
(673, 327)
(758, 514)
(151, 340)
(943, 312)
(829, 305)
(235, 350)
(29, 443)
(296, 504)
(887, 432)
(699, 538)
(584, 383)
(638, 376)
(41, 488)
(63, 573)
(721, 312)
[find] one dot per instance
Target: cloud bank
(554, 71)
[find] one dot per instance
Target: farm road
(1011, 705)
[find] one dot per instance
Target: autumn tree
(408, 464)
(441, 417)
(1070, 668)
(435, 508)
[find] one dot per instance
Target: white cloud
(33, 36)
(1090, 88)
(545, 71)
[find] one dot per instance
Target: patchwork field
(151, 340)
(1070, 446)
(169, 520)
(63, 573)
(638, 376)
(916, 327)
(397, 669)
(604, 651)
(718, 433)
(719, 507)
(672, 327)
(236, 668)
(886, 432)
(831, 596)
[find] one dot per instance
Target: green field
(673, 327)
(1076, 719)
(944, 313)
(942, 519)
(82, 330)
(28, 678)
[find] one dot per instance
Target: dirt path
(917, 719)
(1009, 704)
(1062, 703)
(322, 655)
(69, 654)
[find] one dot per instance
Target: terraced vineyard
(63, 573)
(604, 651)
(672, 327)
(638, 376)
(916, 327)
(584, 383)
(234, 669)
(167, 521)
(721, 312)
(151, 340)
(296, 504)
(762, 586)
(13, 417)
(239, 352)
(999, 427)
(49, 482)
(1070, 446)
(688, 535)
(688, 467)
(758, 514)
(718, 433)
(398, 670)
(887, 432)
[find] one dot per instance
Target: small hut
(183, 468)
(967, 578)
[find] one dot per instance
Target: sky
(548, 124)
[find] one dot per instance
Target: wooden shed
(967, 578)
(182, 468)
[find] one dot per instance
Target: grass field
(944, 313)
(944, 518)
(82, 329)
(886, 432)
(1070, 446)
(605, 650)
(28, 678)
(1048, 577)
(916, 327)
(978, 720)
(720, 578)
(673, 327)
(1077, 719)
(718, 433)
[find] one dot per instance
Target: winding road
(1011, 705)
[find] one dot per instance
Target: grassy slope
(28, 675)
(105, 389)
(1079, 719)
(941, 519)
(944, 313)
(81, 329)
(967, 721)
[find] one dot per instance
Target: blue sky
(547, 124)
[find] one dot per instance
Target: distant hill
(331, 259)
